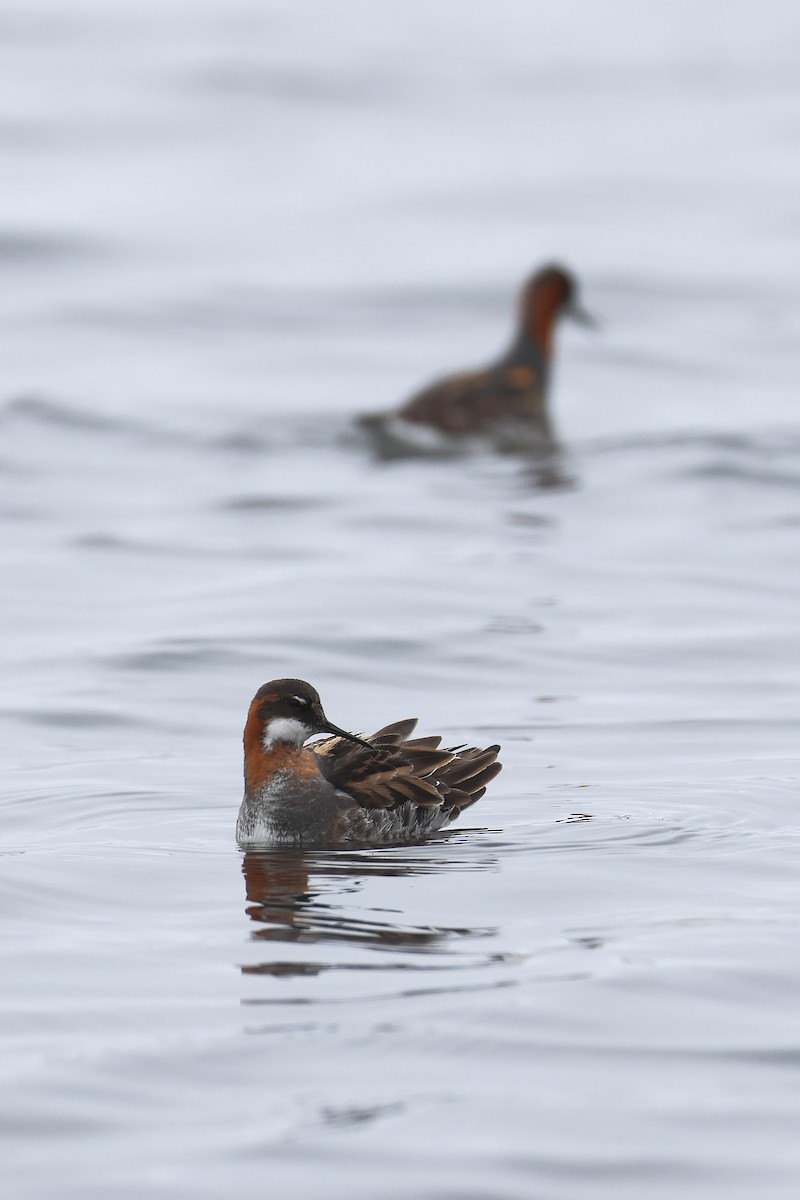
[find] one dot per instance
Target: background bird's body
(503, 405)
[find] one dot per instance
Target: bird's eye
(300, 701)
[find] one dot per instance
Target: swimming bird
(504, 403)
(387, 788)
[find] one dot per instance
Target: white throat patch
(285, 729)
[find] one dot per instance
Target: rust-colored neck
(541, 305)
(260, 764)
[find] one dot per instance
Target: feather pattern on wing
(400, 771)
(466, 403)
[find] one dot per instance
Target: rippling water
(223, 232)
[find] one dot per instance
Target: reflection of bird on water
(504, 403)
(278, 890)
(291, 907)
(278, 884)
(389, 788)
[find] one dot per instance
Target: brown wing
(399, 769)
(464, 404)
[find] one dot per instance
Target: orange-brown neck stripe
(260, 765)
(541, 313)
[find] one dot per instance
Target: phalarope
(504, 403)
(345, 789)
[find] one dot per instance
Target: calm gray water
(224, 229)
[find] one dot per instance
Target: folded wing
(400, 769)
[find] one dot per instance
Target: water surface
(222, 233)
